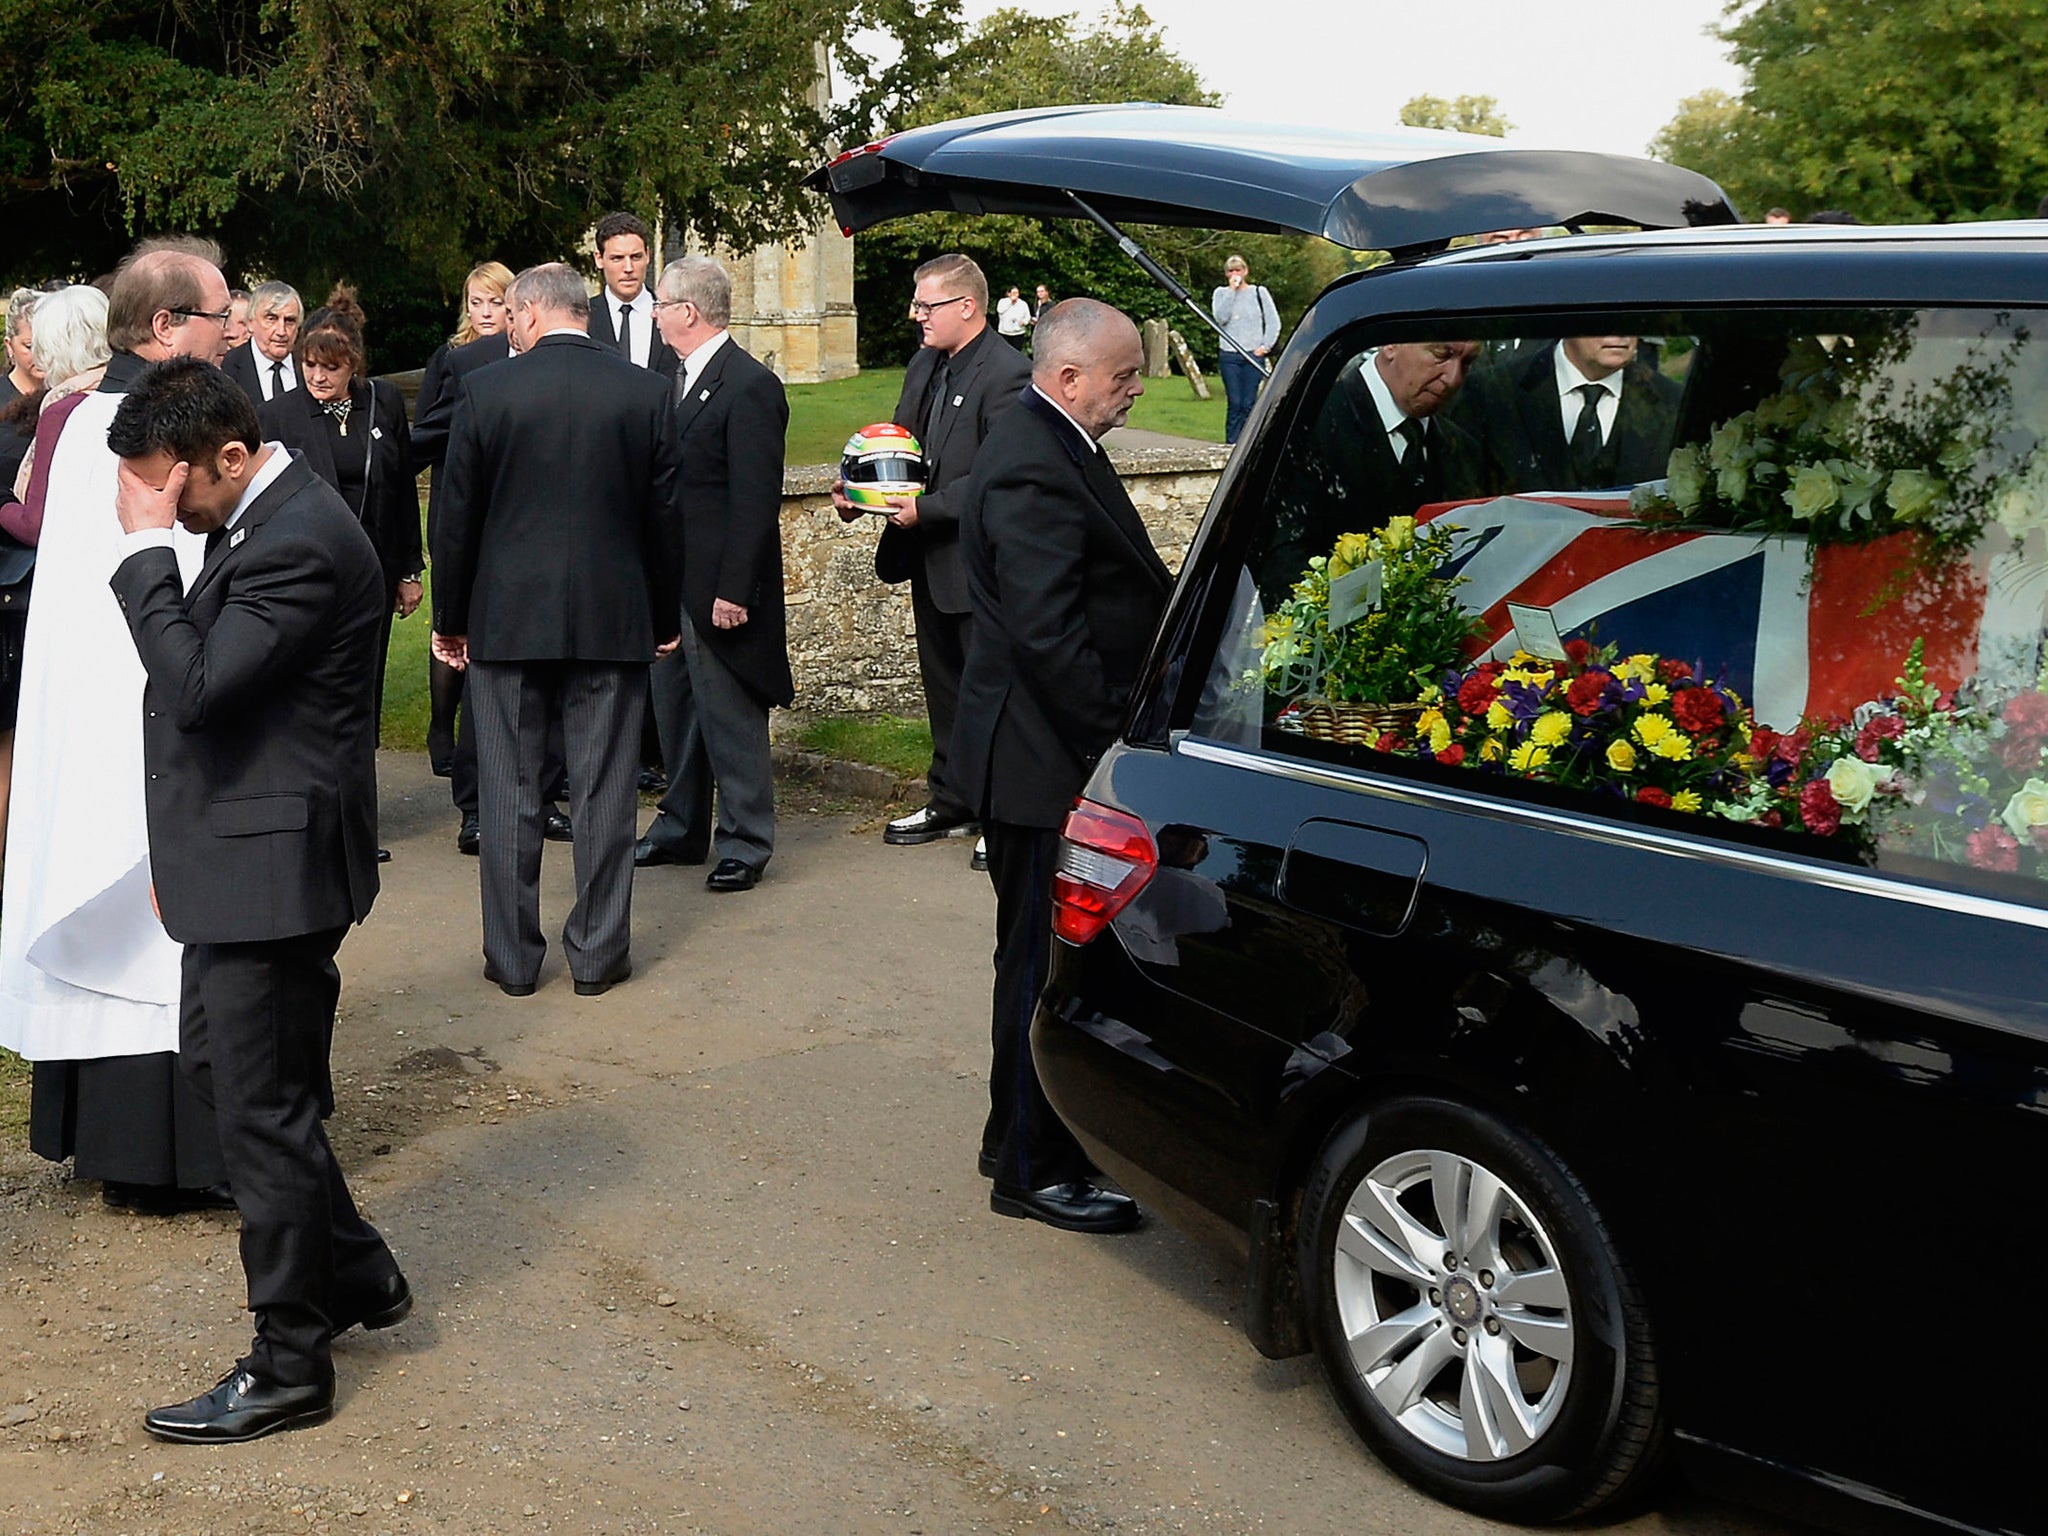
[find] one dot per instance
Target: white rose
(1854, 782)
(2027, 809)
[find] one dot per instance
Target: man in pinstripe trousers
(557, 548)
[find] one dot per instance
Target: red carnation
(1650, 794)
(1792, 747)
(1451, 756)
(1819, 808)
(1876, 731)
(1673, 671)
(1390, 741)
(1697, 709)
(1476, 693)
(2027, 715)
(1772, 819)
(1583, 694)
(1994, 848)
(1578, 651)
(1763, 741)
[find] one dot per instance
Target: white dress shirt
(1571, 403)
(1086, 436)
(694, 364)
(266, 473)
(640, 337)
(1392, 417)
(265, 364)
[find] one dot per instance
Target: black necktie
(934, 405)
(276, 379)
(1415, 462)
(1586, 443)
(626, 332)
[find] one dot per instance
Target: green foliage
(901, 745)
(397, 142)
(1466, 114)
(1014, 60)
(1897, 113)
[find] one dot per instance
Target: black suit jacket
(240, 365)
(1342, 477)
(557, 536)
(391, 505)
(259, 731)
(661, 357)
(986, 378)
(1067, 592)
(1514, 411)
(433, 411)
(731, 426)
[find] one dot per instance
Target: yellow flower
(1551, 728)
(1742, 762)
(1427, 722)
(1656, 693)
(1498, 716)
(1621, 757)
(1528, 757)
(1439, 734)
(1492, 750)
(1644, 663)
(1430, 693)
(1685, 800)
(1624, 670)
(1399, 533)
(1652, 729)
(1352, 551)
(1673, 747)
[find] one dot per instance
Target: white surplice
(86, 970)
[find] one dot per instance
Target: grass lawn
(901, 745)
(13, 1099)
(823, 416)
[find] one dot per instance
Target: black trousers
(1032, 1146)
(941, 657)
(254, 1036)
(682, 822)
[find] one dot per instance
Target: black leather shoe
(383, 855)
(242, 1407)
(985, 1164)
(383, 1305)
(518, 988)
(603, 984)
(732, 875)
(979, 862)
(443, 767)
(652, 782)
(925, 825)
(1075, 1207)
(648, 852)
(558, 829)
(467, 839)
(162, 1200)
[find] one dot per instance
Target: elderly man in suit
(1067, 592)
(555, 561)
(731, 416)
(1584, 415)
(260, 739)
(265, 366)
(957, 386)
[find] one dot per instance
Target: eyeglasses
(217, 316)
(919, 310)
(660, 304)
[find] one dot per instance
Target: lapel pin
(237, 536)
(958, 400)
(703, 395)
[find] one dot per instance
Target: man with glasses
(264, 367)
(960, 382)
(96, 1010)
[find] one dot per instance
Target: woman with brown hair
(481, 324)
(351, 431)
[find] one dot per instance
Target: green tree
(1467, 114)
(399, 141)
(1898, 113)
(1013, 60)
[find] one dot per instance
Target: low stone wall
(852, 642)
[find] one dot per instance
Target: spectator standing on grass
(1248, 316)
(1013, 316)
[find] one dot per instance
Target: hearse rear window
(1775, 575)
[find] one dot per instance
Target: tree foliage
(1013, 60)
(400, 141)
(1466, 114)
(1898, 113)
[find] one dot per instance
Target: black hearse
(1619, 1032)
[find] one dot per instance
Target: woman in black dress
(351, 431)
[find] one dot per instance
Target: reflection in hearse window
(1788, 583)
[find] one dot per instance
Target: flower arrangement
(1392, 650)
(1640, 727)
(1834, 457)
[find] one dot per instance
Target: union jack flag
(1793, 637)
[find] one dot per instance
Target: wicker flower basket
(1357, 725)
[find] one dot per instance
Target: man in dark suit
(264, 365)
(731, 417)
(624, 304)
(555, 574)
(1584, 415)
(1381, 447)
(260, 737)
(1067, 592)
(962, 379)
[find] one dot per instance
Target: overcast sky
(1569, 74)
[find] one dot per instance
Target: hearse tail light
(1106, 857)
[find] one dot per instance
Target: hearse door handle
(1358, 876)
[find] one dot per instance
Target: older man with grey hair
(264, 365)
(555, 585)
(731, 415)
